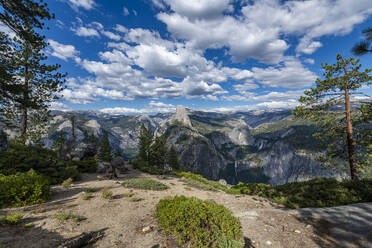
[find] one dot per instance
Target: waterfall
(236, 166)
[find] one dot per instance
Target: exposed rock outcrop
(182, 116)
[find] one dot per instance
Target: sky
(148, 56)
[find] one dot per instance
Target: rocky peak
(181, 115)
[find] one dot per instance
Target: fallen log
(83, 239)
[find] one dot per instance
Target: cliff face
(273, 148)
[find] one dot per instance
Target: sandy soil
(264, 223)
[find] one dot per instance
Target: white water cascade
(236, 166)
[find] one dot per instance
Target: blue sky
(147, 56)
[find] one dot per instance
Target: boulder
(101, 167)
(3, 141)
(222, 182)
(119, 164)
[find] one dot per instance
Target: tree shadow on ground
(344, 226)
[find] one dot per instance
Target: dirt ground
(264, 224)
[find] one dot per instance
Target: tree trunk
(24, 108)
(349, 133)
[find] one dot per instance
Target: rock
(83, 151)
(268, 242)
(3, 141)
(182, 116)
(119, 164)
(297, 231)
(222, 182)
(147, 229)
(308, 226)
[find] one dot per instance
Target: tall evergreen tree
(159, 151)
(338, 127)
(22, 17)
(172, 158)
(105, 149)
(145, 140)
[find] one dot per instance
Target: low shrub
(106, 193)
(23, 189)
(153, 170)
(135, 199)
(91, 190)
(64, 217)
(322, 192)
(86, 196)
(12, 219)
(67, 183)
(199, 223)
(144, 183)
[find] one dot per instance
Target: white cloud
(85, 4)
(111, 35)
(86, 32)
(120, 28)
(59, 106)
(125, 11)
(61, 51)
(135, 13)
(309, 61)
(154, 107)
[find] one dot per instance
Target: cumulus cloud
(154, 107)
(61, 51)
(94, 29)
(85, 4)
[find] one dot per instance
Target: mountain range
(257, 146)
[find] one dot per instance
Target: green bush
(86, 196)
(85, 166)
(22, 158)
(144, 183)
(106, 193)
(12, 219)
(67, 183)
(64, 217)
(314, 193)
(198, 223)
(23, 189)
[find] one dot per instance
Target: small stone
(308, 226)
(297, 231)
(147, 229)
(120, 235)
(268, 242)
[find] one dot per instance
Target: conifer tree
(159, 151)
(105, 149)
(172, 158)
(145, 140)
(343, 130)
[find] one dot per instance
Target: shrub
(12, 219)
(321, 192)
(135, 199)
(198, 223)
(64, 217)
(67, 183)
(106, 193)
(91, 190)
(86, 196)
(144, 183)
(85, 166)
(22, 158)
(23, 189)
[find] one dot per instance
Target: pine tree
(159, 151)
(145, 140)
(364, 47)
(105, 149)
(172, 158)
(22, 17)
(342, 130)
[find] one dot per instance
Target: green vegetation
(23, 189)
(199, 223)
(198, 181)
(106, 193)
(154, 153)
(340, 128)
(128, 194)
(86, 196)
(144, 183)
(91, 190)
(67, 183)
(11, 219)
(64, 217)
(28, 225)
(135, 199)
(22, 158)
(313, 193)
